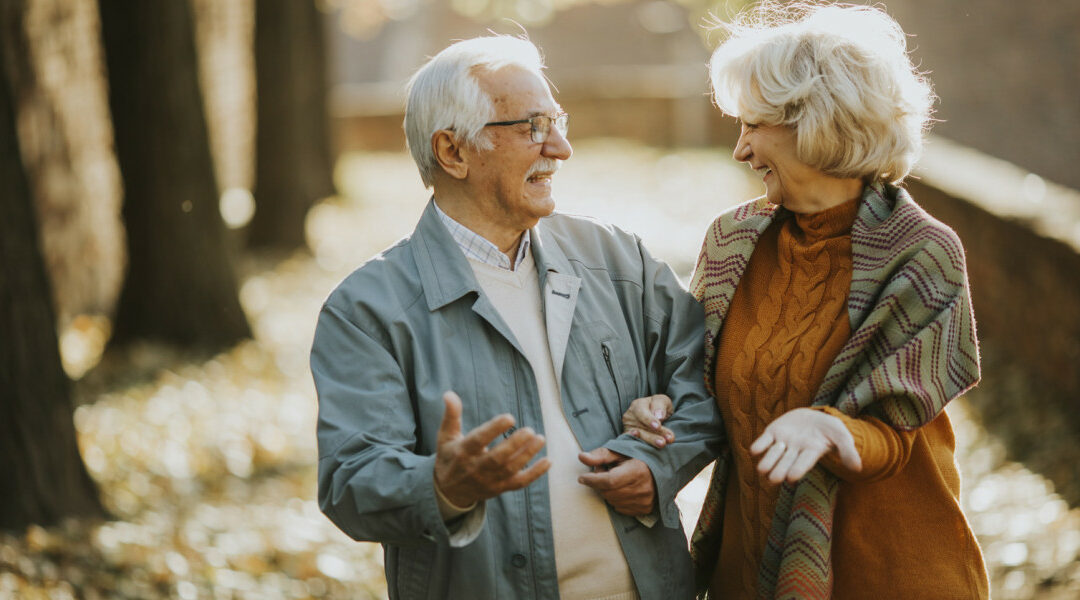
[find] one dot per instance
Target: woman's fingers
(661, 407)
(802, 465)
(794, 443)
(656, 439)
(640, 415)
(849, 455)
(780, 472)
(772, 456)
(644, 420)
(762, 443)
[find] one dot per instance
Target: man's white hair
(444, 94)
(839, 75)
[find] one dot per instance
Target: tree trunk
(42, 477)
(180, 286)
(293, 164)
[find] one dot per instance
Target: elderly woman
(838, 325)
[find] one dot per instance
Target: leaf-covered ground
(208, 466)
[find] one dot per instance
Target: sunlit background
(204, 457)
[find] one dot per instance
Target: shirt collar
(479, 249)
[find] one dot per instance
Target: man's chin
(542, 206)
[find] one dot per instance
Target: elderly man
(499, 343)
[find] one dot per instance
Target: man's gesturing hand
(467, 471)
(626, 484)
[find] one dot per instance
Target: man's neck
(506, 239)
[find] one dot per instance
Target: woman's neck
(825, 193)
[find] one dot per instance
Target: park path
(209, 465)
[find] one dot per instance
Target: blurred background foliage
(185, 180)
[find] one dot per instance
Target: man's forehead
(514, 85)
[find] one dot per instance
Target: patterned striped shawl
(912, 349)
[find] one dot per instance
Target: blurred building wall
(631, 69)
(1008, 74)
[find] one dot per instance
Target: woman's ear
(448, 153)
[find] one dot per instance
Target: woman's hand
(644, 417)
(796, 441)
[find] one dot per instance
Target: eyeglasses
(540, 125)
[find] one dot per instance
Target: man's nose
(556, 145)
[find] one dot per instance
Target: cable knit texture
(907, 348)
(787, 322)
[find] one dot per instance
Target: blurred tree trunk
(42, 477)
(293, 163)
(180, 286)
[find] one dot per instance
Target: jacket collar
(547, 253)
(445, 273)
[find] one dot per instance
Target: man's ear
(449, 154)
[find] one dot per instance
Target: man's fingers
(600, 482)
(476, 440)
(450, 428)
(515, 452)
(599, 457)
(628, 488)
(622, 474)
(527, 476)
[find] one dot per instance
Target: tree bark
(180, 286)
(293, 163)
(42, 477)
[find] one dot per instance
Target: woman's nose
(742, 148)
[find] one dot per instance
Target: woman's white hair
(839, 75)
(444, 94)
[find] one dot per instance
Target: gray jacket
(413, 322)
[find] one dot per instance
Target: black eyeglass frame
(539, 133)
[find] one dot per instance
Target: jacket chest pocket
(605, 378)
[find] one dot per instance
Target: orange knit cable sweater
(788, 320)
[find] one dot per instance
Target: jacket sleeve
(372, 482)
(674, 351)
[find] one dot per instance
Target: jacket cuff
(448, 509)
(663, 478)
(459, 528)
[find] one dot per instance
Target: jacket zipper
(606, 351)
